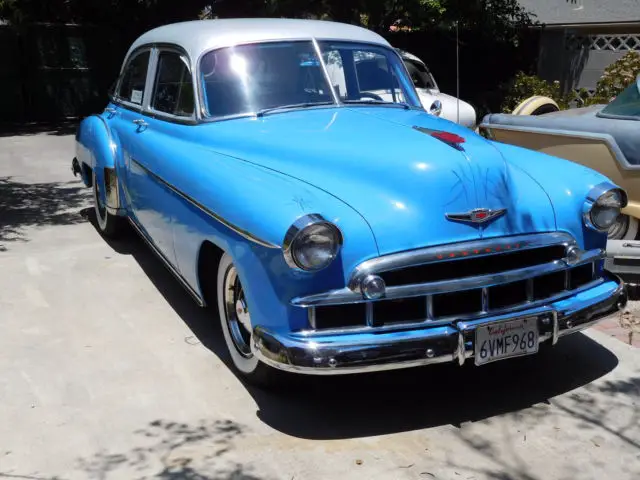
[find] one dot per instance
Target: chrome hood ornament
(478, 215)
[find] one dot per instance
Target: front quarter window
(625, 105)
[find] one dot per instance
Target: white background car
(430, 93)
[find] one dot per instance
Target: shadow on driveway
(389, 402)
(24, 205)
(34, 128)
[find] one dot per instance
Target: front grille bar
(432, 320)
(457, 251)
(346, 295)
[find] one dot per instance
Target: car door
(163, 156)
(148, 196)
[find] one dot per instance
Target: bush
(616, 77)
(525, 86)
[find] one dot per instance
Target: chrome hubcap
(237, 313)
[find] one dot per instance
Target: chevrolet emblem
(478, 215)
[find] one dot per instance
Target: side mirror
(638, 82)
(436, 108)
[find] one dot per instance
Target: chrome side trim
(442, 253)
(607, 138)
(346, 295)
(205, 210)
(166, 263)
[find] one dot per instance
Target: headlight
(312, 243)
(603, 206)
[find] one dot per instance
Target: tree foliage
(617, 77)
(496, 17)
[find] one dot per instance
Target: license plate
(511, 338)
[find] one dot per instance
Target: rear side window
(134, 79)
(173, 91)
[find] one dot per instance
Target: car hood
(401, 180)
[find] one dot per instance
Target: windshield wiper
(264, 111)
(406, 106)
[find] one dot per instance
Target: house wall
(577, 56)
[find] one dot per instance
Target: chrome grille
(465, 265)
(454, 305)
(459, 281)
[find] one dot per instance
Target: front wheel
(624, 228)
(108, 224)
(236, 325)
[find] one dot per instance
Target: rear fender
(96, 153)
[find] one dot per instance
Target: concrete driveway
(109, 371)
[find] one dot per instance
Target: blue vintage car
(336, 229)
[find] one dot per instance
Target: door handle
(140, 122)
(110, 110)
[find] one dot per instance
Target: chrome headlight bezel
(297, 232)
(596, 198)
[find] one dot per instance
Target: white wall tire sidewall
(632, 232)
(102, 221)
(632, 229)
(245, 365)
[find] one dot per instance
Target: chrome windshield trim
(443, 253)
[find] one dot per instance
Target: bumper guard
(344, 353)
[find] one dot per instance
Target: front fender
(256, 203)
(567, 185)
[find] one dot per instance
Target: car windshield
(420, 75)
(627, 104)
(363, 73)
(265, 77)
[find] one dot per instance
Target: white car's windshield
(627, 104)
(265, 77)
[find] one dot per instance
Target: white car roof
(199, 36)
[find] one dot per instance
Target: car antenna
(457, 75)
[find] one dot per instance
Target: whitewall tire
(235, 320)
(625, 228)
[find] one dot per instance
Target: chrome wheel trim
(619, 229)
(99, 207)
(237, 313)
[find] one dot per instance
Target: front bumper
(344, 353)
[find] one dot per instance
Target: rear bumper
(369, 351)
